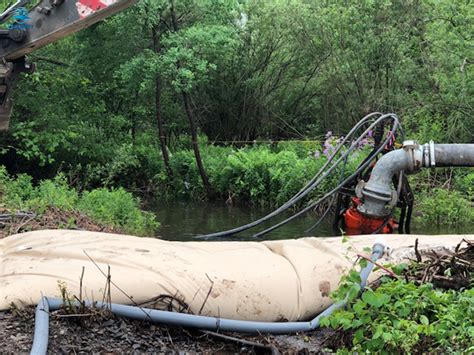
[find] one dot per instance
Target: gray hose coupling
(415, 155)
(377, 194)
(419, 155)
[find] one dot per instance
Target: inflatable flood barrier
(266, 281)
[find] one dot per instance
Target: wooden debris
(448, 271)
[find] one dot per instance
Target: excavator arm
(29, 30)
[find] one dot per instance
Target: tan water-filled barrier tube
(266, 281)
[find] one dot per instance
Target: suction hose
(323, 172)
(377, 194)
(40, 340)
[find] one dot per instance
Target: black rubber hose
(306, 209)
(317, 179)
(401, 223)
(408, 219)
(323, 216)
(337, 188)
(331, 203)
(298, 196)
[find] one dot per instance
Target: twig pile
(454, 271)
(52, 218)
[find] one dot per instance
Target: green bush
(400, 317)
(53, 193)
(302, 149)
(15, 192)
(116, 208)
(465, 182)
(442, 206)
(257, 175)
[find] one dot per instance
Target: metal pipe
(40, 340)
(454, 155)
(378, 196)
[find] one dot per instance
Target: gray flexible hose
(40, 340)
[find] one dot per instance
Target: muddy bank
(13, 222)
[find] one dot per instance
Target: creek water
(183, 221)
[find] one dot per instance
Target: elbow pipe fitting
(377, 195)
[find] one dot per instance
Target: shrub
(53, 193)
(465, 183)
(117, 208)
(442, 206)
(258, 175)
(15, 192)
(402, 317)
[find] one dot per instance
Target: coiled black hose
(322, 173)
(329, 194)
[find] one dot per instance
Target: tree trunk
(159, 120)
(192, 121)
(195, 144)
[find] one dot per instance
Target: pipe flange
(426, 155)
(432, 154)
(429, 160)
(414, 154)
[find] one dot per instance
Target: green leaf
(424, 320)
(359, 306)
(387, 336)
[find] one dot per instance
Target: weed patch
(429, 308)
(56, 205)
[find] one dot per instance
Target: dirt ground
(13, 222)
(107, 334)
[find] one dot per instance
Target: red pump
(356, 223)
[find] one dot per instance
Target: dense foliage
(402, 317)
(115, 208)
(167, 97)
(239, 71)
(196, 98)
(425, 306)
(262, 174)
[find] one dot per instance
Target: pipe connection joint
(377, 195)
